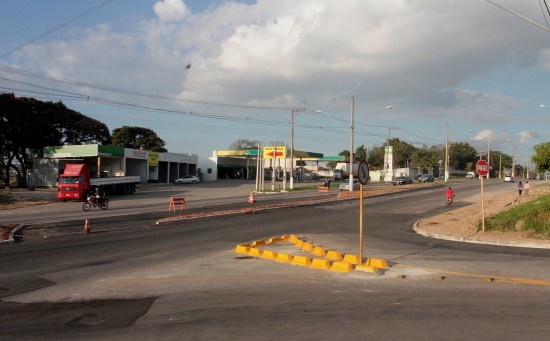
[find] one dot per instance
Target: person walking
(450, 194)
(520, 187)
(527, 187)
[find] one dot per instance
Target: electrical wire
(519, 16)
(57, 28)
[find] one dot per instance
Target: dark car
(426, 178)
(402, 180)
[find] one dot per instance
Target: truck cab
(74, 183)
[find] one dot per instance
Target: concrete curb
(424, 233)
(15, 232)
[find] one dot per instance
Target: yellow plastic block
(258, 243)
(319, 251)
(269, 254)
(299, 243)
(352, 259)
(334, 255)
(284, 257)
(308, 247)
(254, 252)
(284, 237)
(301, 260)
(318, 263)
(274, 240)
(366, 268)
(341, 267)
(293, 239)
(377, 263)
(243, 249)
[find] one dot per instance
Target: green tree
(137, 138)
(423, 158)
(460, 154)
(332, 164)
(541, 158)
(360, 153)
(28, 125)
(246, 144)
(402, 151)
(376, 158)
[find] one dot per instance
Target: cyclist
(450, 194)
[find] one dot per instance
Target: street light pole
(294, 111)
(351, 132)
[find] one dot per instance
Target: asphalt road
(184, 280)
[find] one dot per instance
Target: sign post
(482, 169)
(363, 175)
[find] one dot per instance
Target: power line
(56, 28)
(519, 15)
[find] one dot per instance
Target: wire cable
(56, 28)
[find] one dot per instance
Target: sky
(203, 74)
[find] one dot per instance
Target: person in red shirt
(450, 194)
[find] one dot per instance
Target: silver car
(344, 186)
(188, 179)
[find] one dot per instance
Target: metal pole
(292, 149)
(447, 153)
(488, 158)
(361, 224)
(482, 206)
(284, 171)
(351, 146)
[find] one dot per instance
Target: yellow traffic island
(322, 259)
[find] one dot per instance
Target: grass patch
(533, 216)
(6, 198)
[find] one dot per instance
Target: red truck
(75, 183)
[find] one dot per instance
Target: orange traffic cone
(251, 198)
(86, 227)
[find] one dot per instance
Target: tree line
(28, 125)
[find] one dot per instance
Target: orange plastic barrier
(174, 201)
(323, 189)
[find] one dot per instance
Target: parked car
(508, 178)
(426, 178)
(188, 179)
(344, 186)
(402, 180)
(470, 176)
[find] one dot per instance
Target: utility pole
(447, 153)
(294, 111)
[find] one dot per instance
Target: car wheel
(194, 182)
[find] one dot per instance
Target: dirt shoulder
(462, 224)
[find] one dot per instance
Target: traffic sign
(482, 168)
(363, 172)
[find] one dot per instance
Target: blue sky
(203, 74)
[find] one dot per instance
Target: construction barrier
(318, 263)
(258, 243)
(269, 254)
(284, 257)
(175, 201)
(86, 227)
(242, 249)
(341, 267)
(352, 259)
(323, 189)
(308, 247)
(332, 260)
(319, 251)
(251, 199)
(334, 255)
(301, 260)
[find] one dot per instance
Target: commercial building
(107, 161)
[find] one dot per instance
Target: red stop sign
(482, 168)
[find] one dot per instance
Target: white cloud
(171, 10)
